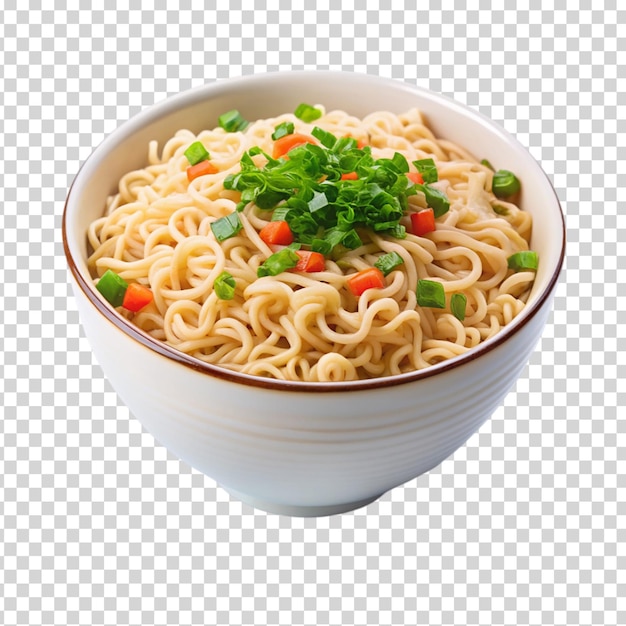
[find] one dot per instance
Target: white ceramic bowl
(307, 449)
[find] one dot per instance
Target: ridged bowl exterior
(304, 450)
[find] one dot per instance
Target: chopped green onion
(351, 240)
(458, 304)
(398, 231)
(436, 200)
(397, 164)
(226, 227)
(524, 260)
(400, 162)
(224, 286)
(487, 164)
(278, 262)
(333, 237)
(232, 121)
(430, 293)
(280, 213)
(322, 246)
(500, 210)
(307, 191)
(112, 287)
(388, 262)
(307, 113)
(196, 153)
(283, 129)
(317, 202)
(267, 200)
(428, 170)
(231, 181)
(326, 139)
(505, 184)
(343, 144)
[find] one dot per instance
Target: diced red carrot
(350, 176)
(310, 261)
(289, 142)
(276, 233)
(136, 297)
(201, 169)
(415, 177)
(370, 278)
(423, 222)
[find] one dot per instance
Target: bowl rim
(161, 109)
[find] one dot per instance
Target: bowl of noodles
(312, 286)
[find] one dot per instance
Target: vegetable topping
(388, 262)
(117, 292)
(524, 260)
(370, 278)
(201, 169)
(288, 142)
(307, 113)
(112, 287)
(329, 190)
(285, 128)
(430, 293)
(224, 286)
(226, 227)
(232, 121)
(196, 152)
(423, 222)
(458, 304)
(136, 297)
(309, 261)
(505, 184)
(277, 233)
(321, 190)
(278, 262)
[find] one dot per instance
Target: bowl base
(297, 510)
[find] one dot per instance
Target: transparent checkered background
(524, 525)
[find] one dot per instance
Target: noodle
(297, 326)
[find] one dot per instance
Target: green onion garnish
(344, 144)
(505, 184)
(224, 286)
(307, 113)
(196, 153)
(436, 200)
(323, 211)
(284, 128)
(500, 210)
(326, 139)
(226, 227)
(458, 303)
(266, 200)
(430, 293)
(428, 170)
(524, 260)
(398, 231)
(322, 246)
(351, 240)
(388, 262)
(278, 262)
(112, 287)
(317, 202)
(333, 237)
(232, 121)
(487, 164)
